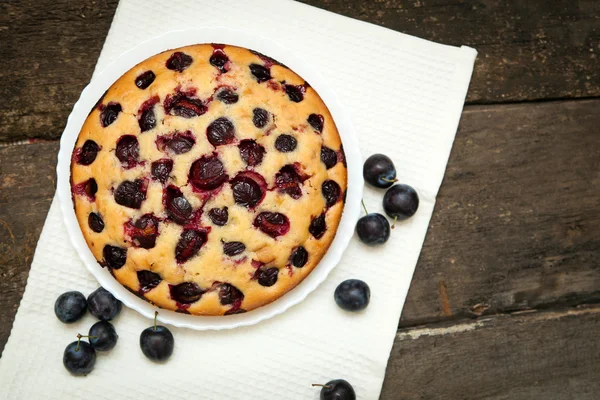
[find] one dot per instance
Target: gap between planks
(25, 142)
(458, 327)
(470, 103)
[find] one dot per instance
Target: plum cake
(209, 179)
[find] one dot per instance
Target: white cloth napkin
(405, 97)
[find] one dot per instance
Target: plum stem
(79, 336)
(325, 386)
(78, 341)
(394, 223)
(155, 315)
(365, 207)
(390, 180)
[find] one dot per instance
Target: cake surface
(209, 179)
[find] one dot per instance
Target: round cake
(209, 179)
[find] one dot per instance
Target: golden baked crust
(170, 113)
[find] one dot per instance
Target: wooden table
(504, 301)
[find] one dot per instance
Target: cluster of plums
(400, 202)
(79, 356)
(156, 342)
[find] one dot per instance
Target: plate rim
(179, 38)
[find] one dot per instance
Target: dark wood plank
(548, 355)
(27, 180)
(48, 50)
(517, 219)
(528, 50)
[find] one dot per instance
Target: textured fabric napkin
(404, 95)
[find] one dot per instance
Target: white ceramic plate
(171, 40)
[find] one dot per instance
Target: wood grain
(48, 50)
(527, 50)
(517, 220)
(540, 355)
(27, 181)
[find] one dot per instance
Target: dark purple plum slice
(272, 223)
(143, 231)
(289, 181)
(316, 121)
(146, 116)
(229, 294)
(260, 72)
(183, 105)
(207, 173)
(128, 151)
(286, 143)
(189, 244)
(318, 226)
(179, 61)
(248, 188)
(131, 193)
(218, 216)
(219, 60)
(328, 157)
(299, 257)
(233, 248)
(109, 113)
(186, 292)
(260, 117)
(295, 93)
(145, 79)
(227, 96)
(220, 131)
(95, 222)
(148, 280)
(331, 192)
(161, 169)
(114, 257)
(87, 188)
(267, 276)
(234, 311)
(178, 208)
(251, 152)
(176, 142)
(87, 153)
